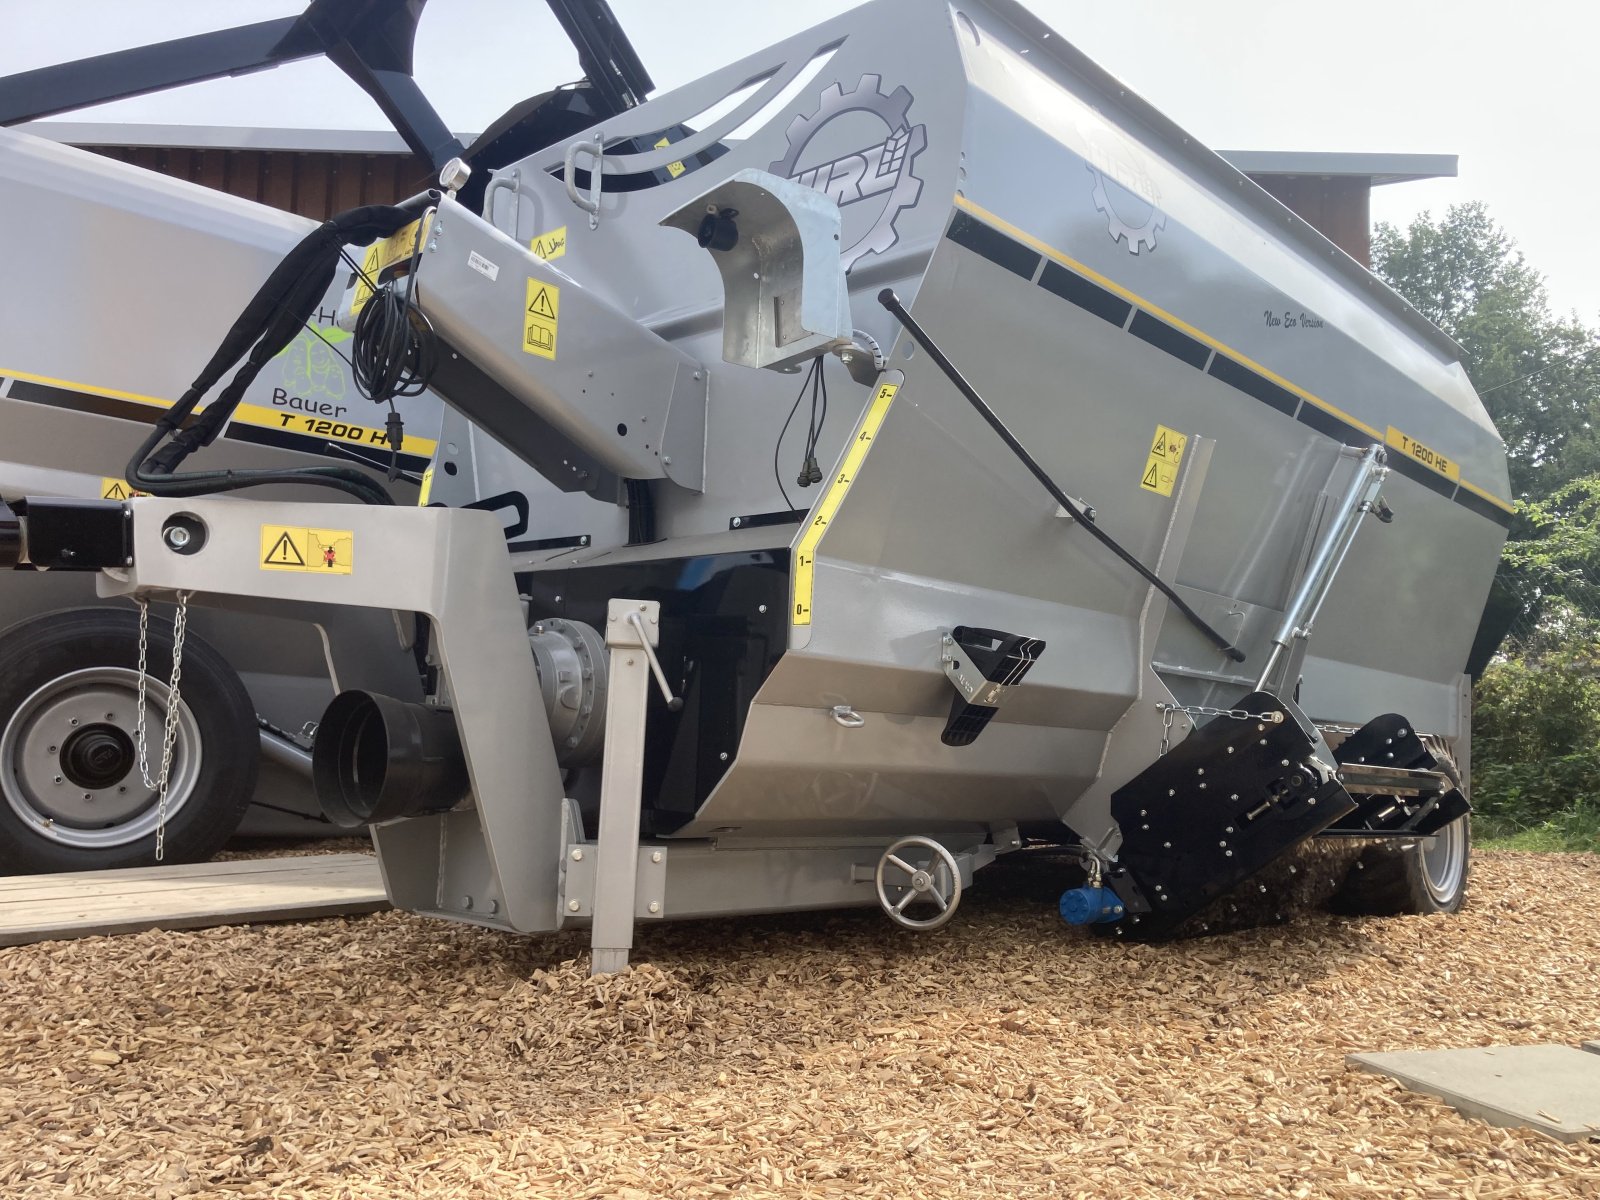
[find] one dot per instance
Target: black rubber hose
(280, 307)
(890, 301)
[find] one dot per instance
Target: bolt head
(577, 855)
(573, 906)
(655, 906)
(656, 857)
(737, 521)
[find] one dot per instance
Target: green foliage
(1575, 828)
(1536, 731)
(1536, 726)
(1538, 374)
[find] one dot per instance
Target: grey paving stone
(1554, 1089)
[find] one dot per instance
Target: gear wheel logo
(1130, 218)
(881, 173)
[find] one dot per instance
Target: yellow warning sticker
(117, 489)
(673, 168)
(427, 488)
(1165, 457)
(1430, 458)
(550, 245)
(540, 321)
(397, 247)
(805, 554)
(291, 548)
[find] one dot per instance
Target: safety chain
(1168, 711)
(169, 729)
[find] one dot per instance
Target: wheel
(1428, 875)
(74, 793)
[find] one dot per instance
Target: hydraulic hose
(890, 301)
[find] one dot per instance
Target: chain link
(1168, 711)
(169, 726)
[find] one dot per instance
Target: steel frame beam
(371, 41)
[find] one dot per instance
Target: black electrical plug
(394, 434)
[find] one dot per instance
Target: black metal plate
(724, 625)
(1386, 741)
(77, 535)
(1233, 797)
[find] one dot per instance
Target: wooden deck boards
(38, 908)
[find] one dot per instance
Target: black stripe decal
(1090, 297)
(148, 414)
(1253, 383)
(1004, 251)
(1477, 504)
(1404, 464)
(1174, 341)
(1337, 428)
(374, 457)
(84, 402)
(993, 245)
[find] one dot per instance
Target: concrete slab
(1553, 1089)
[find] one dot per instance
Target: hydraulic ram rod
(890, 301)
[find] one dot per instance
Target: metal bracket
(958, 669)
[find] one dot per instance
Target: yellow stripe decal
(259, 415)
(805, 555)
(1111, 285)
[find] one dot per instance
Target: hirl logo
(882, 172)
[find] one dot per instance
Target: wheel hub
(97, 756)
(69, 764)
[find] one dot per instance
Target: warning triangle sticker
(1160, 447)
(115, 492)
(1150, 479)
(284, 553)
(541, 305)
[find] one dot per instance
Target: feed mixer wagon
(929, 449)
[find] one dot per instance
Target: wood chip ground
(820, 1055)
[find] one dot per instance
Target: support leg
(617, 856)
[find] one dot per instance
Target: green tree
(1539, 374)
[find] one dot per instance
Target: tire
(1425, 876)
(72, 792)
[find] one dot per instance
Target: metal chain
(169, 727)
(1168, 711)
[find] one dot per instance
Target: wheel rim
(69, 765)
(1444, 861)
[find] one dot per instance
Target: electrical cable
(280, 308)
(777, 448)
(394, 351)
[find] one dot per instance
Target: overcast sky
(1513, 89)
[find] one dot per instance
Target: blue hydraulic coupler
(1090, 906)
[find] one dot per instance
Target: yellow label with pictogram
(673, 168)
(112, 488)
(542, 318)
(383, 255)
(1161, 465)
(295, 548)
(549, 246)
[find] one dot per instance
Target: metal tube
(1327, 560)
